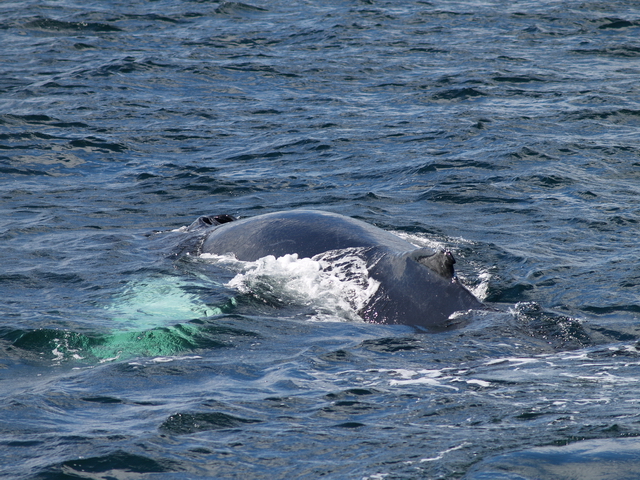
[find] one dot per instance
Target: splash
(481, 290)
(335, 285)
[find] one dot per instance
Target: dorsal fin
(440, 262)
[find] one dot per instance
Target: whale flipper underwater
(417, 285)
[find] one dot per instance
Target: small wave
(593, 458)
(458, 94)
(187, 423)
(230, 8)
(161, 344)
(51, 25)
(14, 120)
(111, 466)
(624, 51)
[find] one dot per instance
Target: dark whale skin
(417, 285)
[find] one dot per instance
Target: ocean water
(508, 132)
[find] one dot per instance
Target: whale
(417, 286)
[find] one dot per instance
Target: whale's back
(305, 232)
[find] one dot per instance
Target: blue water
(508, 132)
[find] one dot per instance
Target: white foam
(165, 359)
(335, 284)
(444, 452)
(481, 290)
(228, 259)
(434, 378)
(440, 378)
(517, 361)
(420, 241)
(482, 383)
(63, 348)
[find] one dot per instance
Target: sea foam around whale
(334, 285)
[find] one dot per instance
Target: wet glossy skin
(417, 286)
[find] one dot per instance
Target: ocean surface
(506, 131)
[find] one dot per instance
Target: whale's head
(418, 288)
